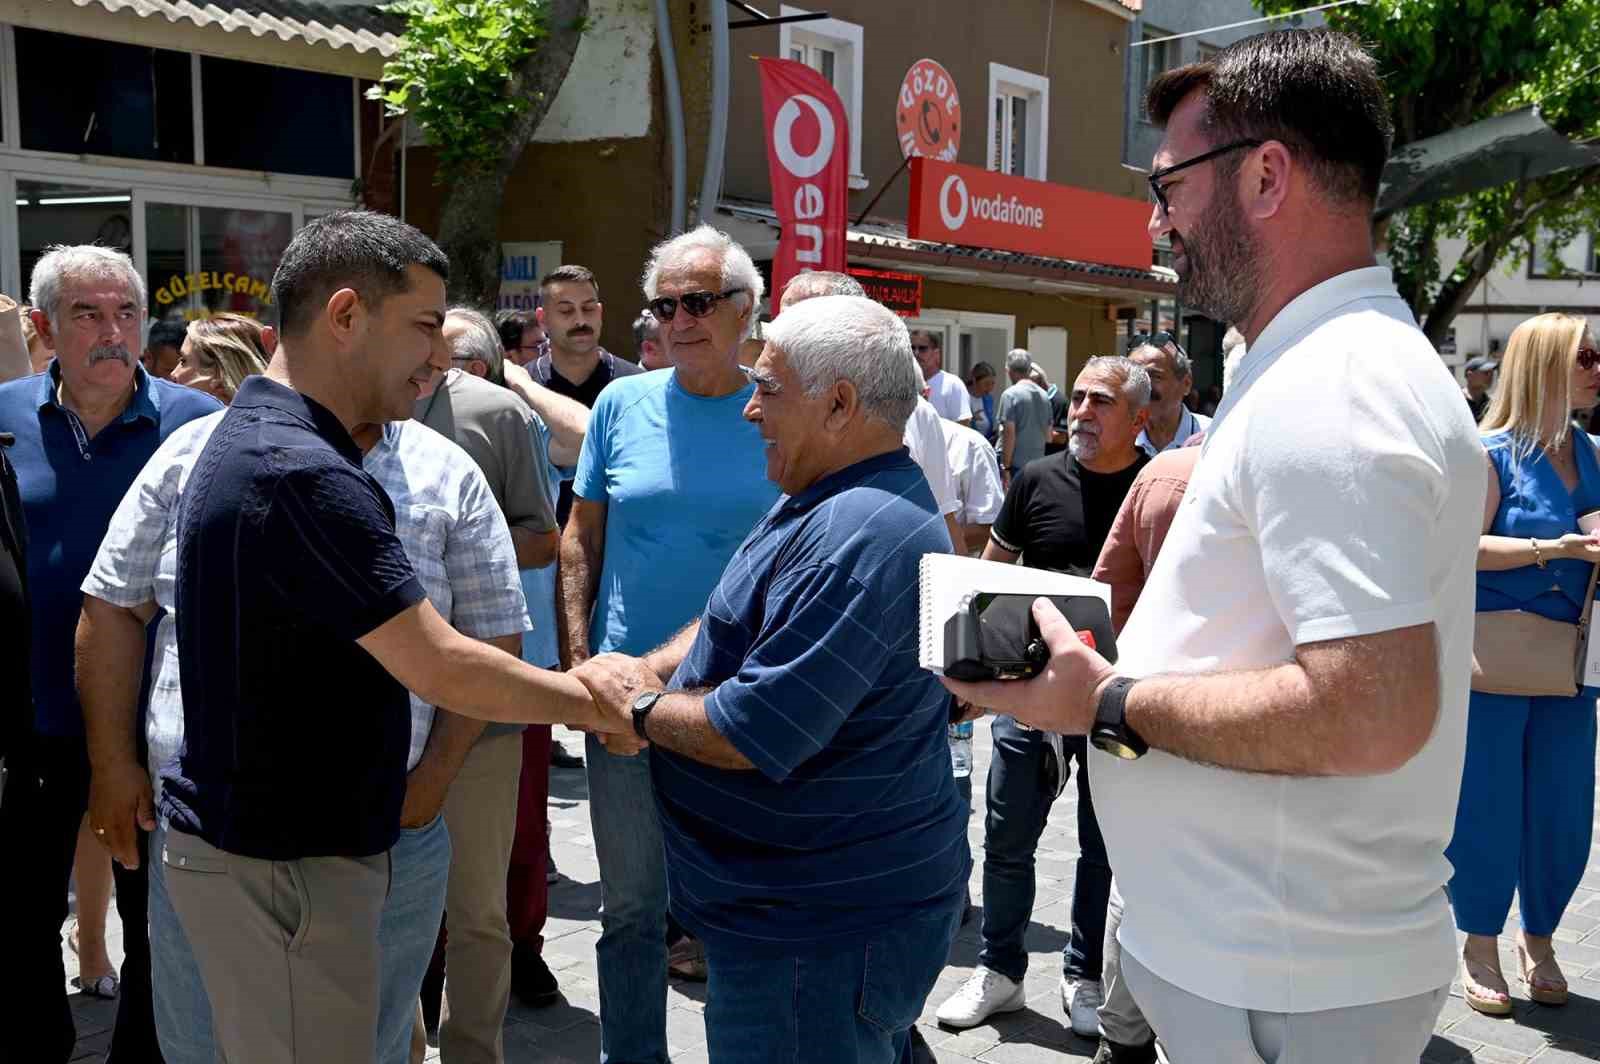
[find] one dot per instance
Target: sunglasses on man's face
(698, 304)
(1588, 358)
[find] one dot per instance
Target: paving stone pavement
(568, 1033)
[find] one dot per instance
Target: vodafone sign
(956, 204)
(807, 156)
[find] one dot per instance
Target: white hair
(63, 262)
(1019, 361)
(738, 271)
(812, 283)
(481, 340)
(1135, 379)
(832, 338)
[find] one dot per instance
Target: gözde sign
(956, 204)
(808, 154)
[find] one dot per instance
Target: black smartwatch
(641, 709)
(1111, 732)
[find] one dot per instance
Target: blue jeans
(1020, 792)
(420, 864)
(632, 952)
(845, 1003)
(407, 931)
(1526, 814)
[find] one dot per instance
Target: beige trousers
(481, 812)
(288, 950)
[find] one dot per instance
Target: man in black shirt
(301, 625)
(1056, 515)
(573, 363)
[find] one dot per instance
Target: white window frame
(183, 183)
(1170, 53)
(1035, 88)
(949, 323)
(845, 40)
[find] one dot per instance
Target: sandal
(1481, 993)
(1541, 986)
(104, 988)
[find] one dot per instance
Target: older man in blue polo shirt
(84, 428)
(814, 838)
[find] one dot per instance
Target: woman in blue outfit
(1527, 789)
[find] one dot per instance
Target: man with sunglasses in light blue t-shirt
(670, 481)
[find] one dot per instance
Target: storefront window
(203, 260)
(319, 141)
(49, 213)
(129, 101)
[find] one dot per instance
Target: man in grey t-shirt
(497, 429)
(1024, 417)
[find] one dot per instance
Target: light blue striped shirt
(445, 517)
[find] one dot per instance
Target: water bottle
(961, 749)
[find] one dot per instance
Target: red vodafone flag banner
(808, 158)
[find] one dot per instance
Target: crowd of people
(297, 605)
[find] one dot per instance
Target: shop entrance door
(203, 259)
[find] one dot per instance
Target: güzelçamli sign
(956, 204)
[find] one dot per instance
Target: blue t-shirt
(851, 818)
(683, 478)
(70, 486)
(294, 738)
(1535, 504)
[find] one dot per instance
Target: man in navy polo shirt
(800, 763)
(301, 625)
(84, 428)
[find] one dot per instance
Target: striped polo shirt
(809, 647)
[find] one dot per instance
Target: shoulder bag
(1515, 652)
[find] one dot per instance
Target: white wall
(1510, 284)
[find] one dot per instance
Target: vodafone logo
(1007, 210)
(957, 218)
(802, 166)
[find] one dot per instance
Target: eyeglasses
(1159, 193)
(1588, 358)
(1153, 339)
(698, 304)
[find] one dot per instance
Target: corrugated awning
(334, 23)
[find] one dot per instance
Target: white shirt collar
(1298, 317)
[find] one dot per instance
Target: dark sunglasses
(1155, 339)
(1159, 193)
(698, 304)
(1588, 358)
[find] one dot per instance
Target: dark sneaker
(1112, 1053)
(531, 979)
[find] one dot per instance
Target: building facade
(1037, 84)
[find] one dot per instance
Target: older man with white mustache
(1057, 513)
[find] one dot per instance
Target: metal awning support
(760, 19)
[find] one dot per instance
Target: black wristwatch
(1111, 732)
(641, 709)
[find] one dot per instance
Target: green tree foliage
(452, 74)
(478, 77)
(1448, 63)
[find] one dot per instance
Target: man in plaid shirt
(460, 546)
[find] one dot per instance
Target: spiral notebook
(947, 579)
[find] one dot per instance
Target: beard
(1224, 265)
(1083, 445)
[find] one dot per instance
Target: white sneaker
(1081, 1001)
(980, 997)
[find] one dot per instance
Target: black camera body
(993, 636)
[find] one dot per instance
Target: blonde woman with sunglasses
(1527, 791)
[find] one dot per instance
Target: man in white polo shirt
(1297, 665)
